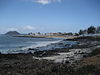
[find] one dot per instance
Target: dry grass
(94, 60)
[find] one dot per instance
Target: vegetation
(95, 52)
(90, 30)
(81, 32)
(85, 38)
(98, 30)
(24, 64)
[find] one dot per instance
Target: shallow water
(9, 44)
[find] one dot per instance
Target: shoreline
(72, 54)
(55, 62)
(40, 36)
(24, 44)
(52, 45)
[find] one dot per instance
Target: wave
(41, 44)
(25, 49)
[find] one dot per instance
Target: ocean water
(9, 44)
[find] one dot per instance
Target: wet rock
(67, 62)
(31, 49)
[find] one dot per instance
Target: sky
(48, 15)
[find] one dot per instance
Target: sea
(10, 44)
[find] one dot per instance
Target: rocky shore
(71, 54)
(80, 59)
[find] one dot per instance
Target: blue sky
(48, 15)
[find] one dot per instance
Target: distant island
(12, 33)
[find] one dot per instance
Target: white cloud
(22, 28)
(44, 2)
(28, 27)
(12, 29)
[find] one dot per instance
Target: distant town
(89, 30)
